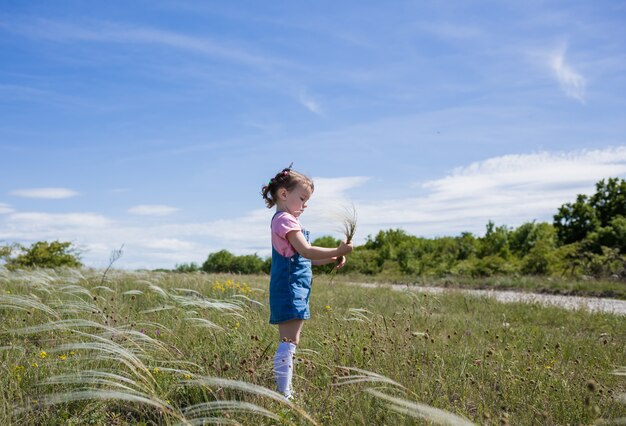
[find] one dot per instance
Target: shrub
(187, 267)
(224, 261)
(43, 254)
(221, 261)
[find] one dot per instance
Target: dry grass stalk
(349, 220)
(349, 223)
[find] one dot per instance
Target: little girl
(291, 275)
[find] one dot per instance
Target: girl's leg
(283, 360)
(290, 331)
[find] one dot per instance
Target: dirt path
(592, 304)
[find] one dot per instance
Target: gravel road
(592, 304)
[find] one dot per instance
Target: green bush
(224, 261)
(187, 267)
(221, 261)
(247, 264)
(42, 254)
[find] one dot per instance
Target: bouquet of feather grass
(349, 220)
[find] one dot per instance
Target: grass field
(159, 348)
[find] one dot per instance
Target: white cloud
(509, 190)
(309, 103)
(152, 210)
(47, 193)
(171, 244)
(571, 82)
(49, 222)
(5, 208)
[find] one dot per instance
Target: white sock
(283, 367)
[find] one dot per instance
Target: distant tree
(467, 245)
(267, 265)
(224, 261)
(612, 235)
(495, 242)
(364, 261)
(391, 247)
(5, 253)
(326, 241)
(221, 261)
(329, 242)
(575, 221)
(247, 264)
(187, 267)
(43, 254)
(540, 259)
(528, 235)
(609, 201)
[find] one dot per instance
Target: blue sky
(155, 123)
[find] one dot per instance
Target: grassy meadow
(166, 348)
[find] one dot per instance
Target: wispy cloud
(571, 82)
(450, 30)
(119, 190)
(509, 189)
(309, 103)
(48, 193)
(5, 208)
(107, 32)
(34, 225)
(152, 210)
(170, 244)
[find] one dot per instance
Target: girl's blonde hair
(286, 178)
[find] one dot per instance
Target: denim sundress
(290, 286)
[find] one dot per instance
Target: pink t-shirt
(282, 224)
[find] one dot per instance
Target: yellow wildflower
(63, 357)
(19, 372)
(43, 355)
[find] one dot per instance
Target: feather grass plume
(419, 410)
(401, 405)
(251, 388)
(348, 222)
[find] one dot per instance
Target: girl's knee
(295, 340)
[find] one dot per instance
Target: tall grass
(158, 348)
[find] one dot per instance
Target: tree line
(586, 237)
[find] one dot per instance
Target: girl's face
(294, 201)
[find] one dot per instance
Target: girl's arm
(315, 253)
(330, 260)
(324, 261)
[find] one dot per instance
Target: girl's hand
(340, 261)
(344, 248)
